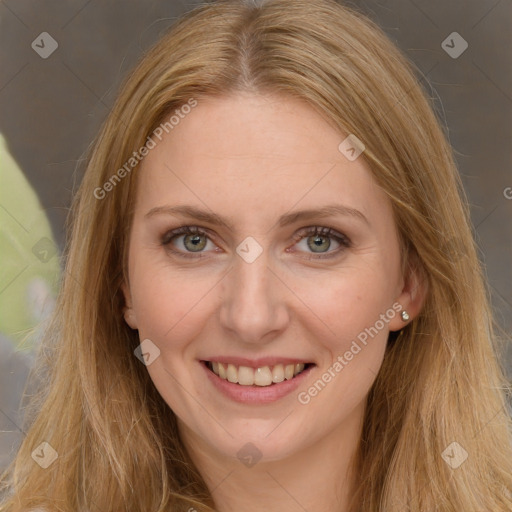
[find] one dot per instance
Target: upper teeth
(263, 376)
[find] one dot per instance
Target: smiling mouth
(263, 376)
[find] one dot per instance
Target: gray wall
(50, 109)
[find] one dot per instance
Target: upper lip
(256, 363)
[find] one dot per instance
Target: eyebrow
(285, 220)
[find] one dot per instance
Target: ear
(412, 296)
(128, 313)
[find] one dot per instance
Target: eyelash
(304, 233)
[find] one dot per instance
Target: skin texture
(251, 159)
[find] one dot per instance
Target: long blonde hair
(440, 382)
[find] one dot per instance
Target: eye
(194, 240)
(318, 240)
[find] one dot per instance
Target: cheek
(345, 303)
(354, 316)
(171, 304)
(161, 305)
(351, 310)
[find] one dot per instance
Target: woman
(262, 308)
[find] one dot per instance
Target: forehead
(255, 153)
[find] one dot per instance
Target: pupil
(318, 241)
(195, 240)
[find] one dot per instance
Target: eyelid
(326, 231)
(323, 231)
(185, 230)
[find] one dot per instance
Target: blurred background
(61, 66)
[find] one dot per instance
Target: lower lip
(256, 394)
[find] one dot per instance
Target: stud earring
(405, 316)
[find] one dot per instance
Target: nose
(254, 307)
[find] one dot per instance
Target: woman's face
(260, 288)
